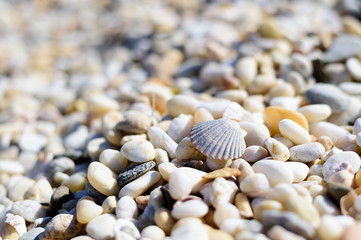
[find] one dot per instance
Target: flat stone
(30, 210)
(307, 152)
(138, 151)
(102, 227)
(343, 47)
(133, 172)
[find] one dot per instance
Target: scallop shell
(219, 139)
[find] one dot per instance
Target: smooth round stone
(114, 160)
(300, 170)
(254, 153)
(303, 209)
(333, 227)
(165, 169)
(246, 70)
(233, 95)
(180, 127)
(281, 89)
(11, 167)
(101, 104)
(322, 93)
(17, 186)
(273, 115)
(290, 103)
(275, 171)
(96, 146)
(189, 229)
(352, 232)
(140, 185)
(278, 150)
(189, 208)
(315, 112)
(62, 164)
(293, 131)
(343, 47)
(134, 122)
(101, 227)
(152, 232)
(256, 184)
(28, 209)
(261, 84)
(181, 104)
(297, 81)
(324, 206)
(103, 179)
(161, 139)
(87, 210)
(307, 152)
(76, 182)
(126, 208)
(225, 211)
(186, 150)
(353, 66)
(215, 106)
(32, 234)
(62, 226)
(32, 142)
(201, 115)
(220, 190)
(109, 205)
(257, 133)
(234, 226)
(331, 130)
(164, 219)
(300, 63)
(138, 151)
(351, 88)
(333, 163)
(127, 227)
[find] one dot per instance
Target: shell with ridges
(219, 139)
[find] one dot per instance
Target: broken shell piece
(219, 139)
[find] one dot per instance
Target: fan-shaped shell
(219, 139)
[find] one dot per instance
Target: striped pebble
(133, 172)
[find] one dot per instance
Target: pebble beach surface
(173, 120)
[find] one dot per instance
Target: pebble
(153, 232)
(219, 191)
(315, 112)
(277, 149)
(11, 167)
(246, 70)
(109, 121)
(307, 152)
(16, 222)
(256, 184)
(300, 170)
(140, 185)
(279, 233)
(129, 138)
(261, 84)
(335, 163)
(351, 232)
(180, 127)
(17, 186)
(32, 142)
(322, 93)
(225, 211)
(77, 138)
(62, 164)
(288, 220)
(216, 106)
(257, 133)
(275, 171)
(351, 88)
(182, 104)
(189, 229)
(102, 179)
(133, 172)
(325, 206)
(61, 195)
(134, 122)
(343, 47)
(233, 95)
(301, 64)
(273, 116)
(30, 210)
(126, 208)
(333, 227)
(254, 153)
(101, 227)
(114, 160)
(100, 104)
(160, 139)
(138, 151)
(62, 226)
(164, 220)
(189, 208)
(224, 172)
(293, 131)
(235, 226)
(326, 142)
(109, 205)
(353, 66)
(87, 210)
(331, 130)
(303, 209)
(32, 234)
(185, 151)
(202, 114)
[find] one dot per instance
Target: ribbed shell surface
(219, 139)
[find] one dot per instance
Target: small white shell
(219, 139)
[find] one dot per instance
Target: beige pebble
(215, 164)
(87, 210)
(103, 179)
(332, 227)
(224, 172)
(234, 95)
(254, 103)
(186, 151)
(281, 89)
(294, 132)
(261, 84)
(182, 104)
(281, 192)
(164, 220)
(316, 112)
(161, 156)
(244, 167)
(109, 120)
(241, 201)
(17, 186)
(351, 232)
(279, 233)
(76, 182)
(343, 176)
(254, 185)
(246, 70)
(96, 146)
(339, 161)
(114, 160)
(254, 153)
(129, 138)
(331, 130)
(160, 139)
(257, 133)
(215, 234)
(101, 104)
(277, 149)
(109, 205)
(219, 191)
(105, 222)
(353, 66)
(288, 143)
(326, 142)
(348, 142)
(140, 185)
(134, 121)
(201, 115)
(266, 205)
(165, 169)
(126, 208)
(303, 208)
(40, 192)
(138, 151)
(225, 211)
(189, 208)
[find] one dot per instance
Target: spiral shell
(219, 139)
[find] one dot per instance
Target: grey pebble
(343, 47)
(328, 94)
(133, 172)
(32, 234)
(289, 220)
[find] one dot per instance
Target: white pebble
(327, 129)
(28, 209)
(32, 142)
(101, 227)
(127, 226)
(357, 126)
(353, 66)
(255, 184)
(160, 139)
(182, 104)
(278, 150)
(254, 153)
(165, 169)
(307, 152)
(275, 171)
(11, 167)
(138, 151)
(225, 211)
(114, 160)
(126, 208)
(294, 132)
(189, 208)
(103, 179)
(300, 171)
(316, 112)
(180, 127)
(140, 185)
(333, 163)
(219, 191)
(153, 232)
